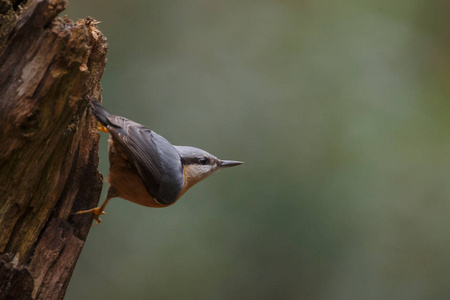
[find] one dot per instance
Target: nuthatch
(145, 168)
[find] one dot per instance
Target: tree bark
(49, 67)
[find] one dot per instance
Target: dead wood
(49, 67)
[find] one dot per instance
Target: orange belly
(126, 180)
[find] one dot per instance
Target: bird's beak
(229, 163)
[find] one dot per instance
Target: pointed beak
(229, 163)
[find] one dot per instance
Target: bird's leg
(98, 211)
(102, 128)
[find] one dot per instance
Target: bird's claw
(102, 128)
(97, 217)
(97, 213)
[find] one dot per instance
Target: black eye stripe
(189, 160)
(195, 160)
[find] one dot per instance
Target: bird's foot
(102, 128)
(97, 213)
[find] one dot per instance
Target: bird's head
(199, 164)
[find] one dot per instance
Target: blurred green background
(340, 111)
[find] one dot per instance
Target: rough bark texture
(49, 67)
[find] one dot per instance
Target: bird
(145, 168)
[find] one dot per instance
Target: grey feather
(156, 159)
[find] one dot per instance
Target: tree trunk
(49, 67)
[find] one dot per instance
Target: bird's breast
(126, 180)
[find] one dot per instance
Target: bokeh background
(340, 110)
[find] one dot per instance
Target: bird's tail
(100, 113)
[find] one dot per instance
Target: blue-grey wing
(156, 159)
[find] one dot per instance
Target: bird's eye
(203, 161)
